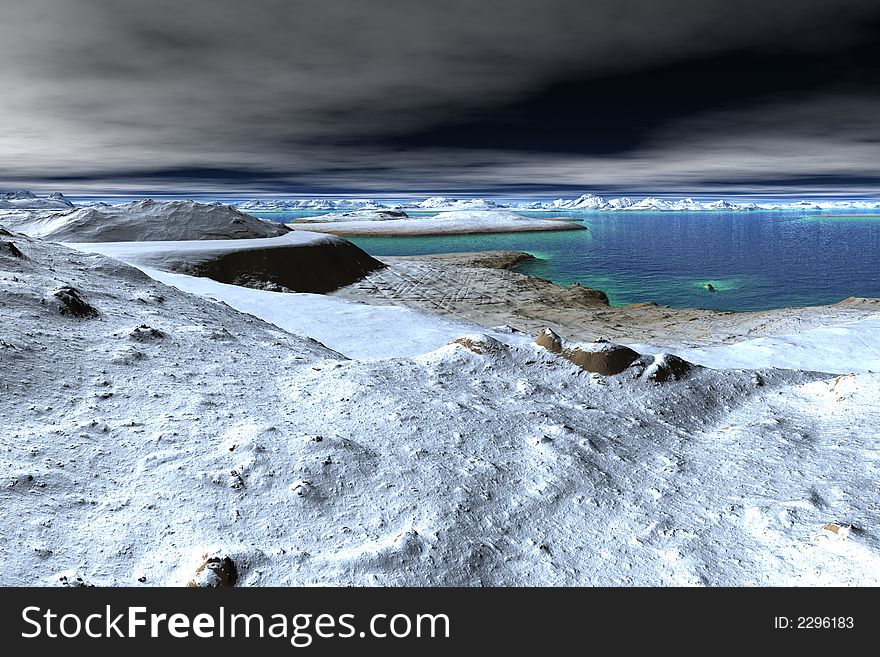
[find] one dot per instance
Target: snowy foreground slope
(157, 428)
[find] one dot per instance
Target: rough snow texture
(457, 222)
(25, 200)
(169, 432)
(148, 220)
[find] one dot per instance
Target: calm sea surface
(753, 260)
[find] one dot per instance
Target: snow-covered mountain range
(687, 204)
(583, 202)
(269, 205)
(26, 200)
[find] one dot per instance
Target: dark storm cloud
(618, 113)
(396, 92)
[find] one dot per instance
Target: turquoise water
(753, 260)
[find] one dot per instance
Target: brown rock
(613, 359)
(467, 343)
(607, 359)
(549, 340)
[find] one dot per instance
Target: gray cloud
(98, 87)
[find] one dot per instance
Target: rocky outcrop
(68, 301)
(318, 268)
(662, 367)
(601, 357)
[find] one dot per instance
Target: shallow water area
(753, 260)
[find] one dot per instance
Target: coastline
(479, 288)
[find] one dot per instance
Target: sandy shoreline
(479, 288)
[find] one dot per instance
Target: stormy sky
(399, 95)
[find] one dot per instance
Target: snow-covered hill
(25, 200)
(449, 203)
(146, 220)
(583, 202)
